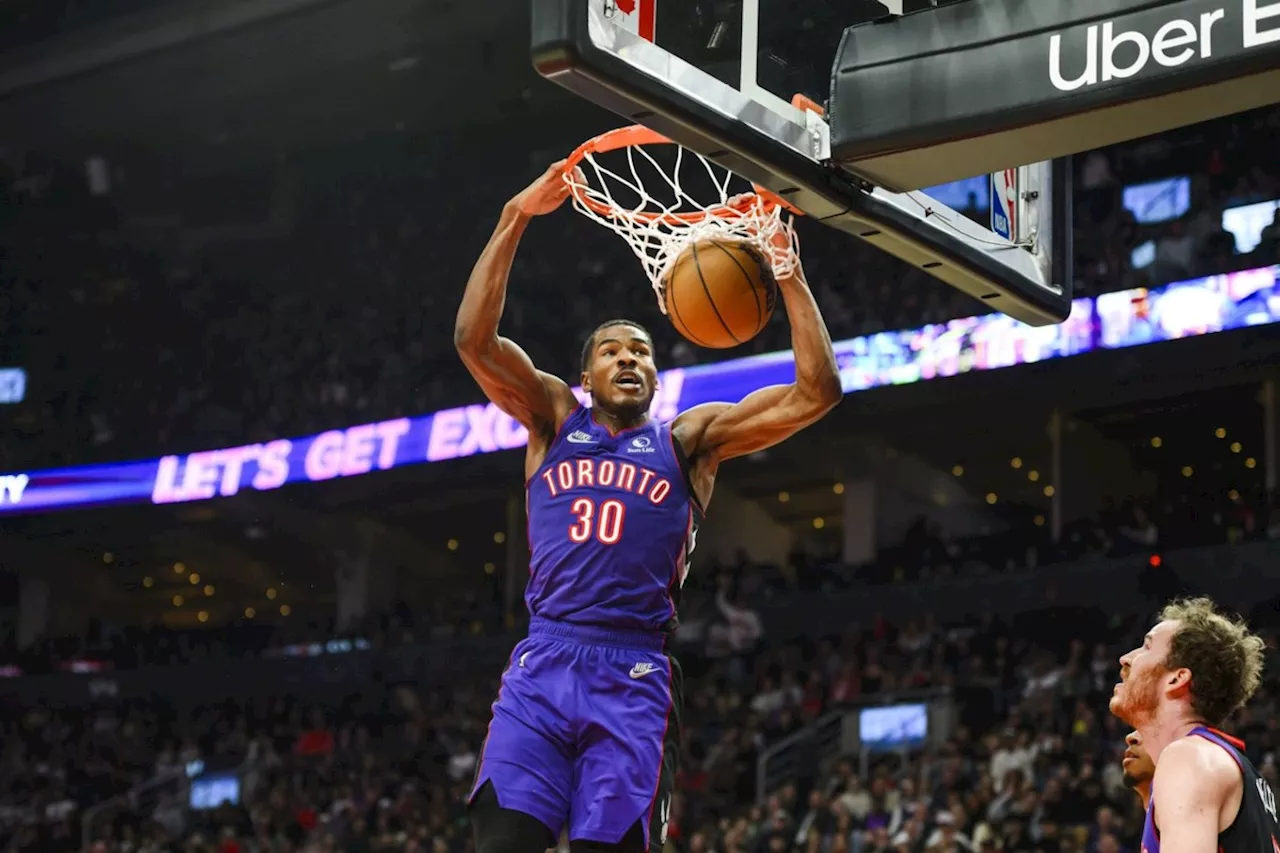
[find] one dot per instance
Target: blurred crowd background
(1030, 761)
(136, 347)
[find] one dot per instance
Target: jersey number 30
(604, 521)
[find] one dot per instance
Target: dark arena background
(262, 539)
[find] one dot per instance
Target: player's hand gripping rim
(780, 243)
(548, 191)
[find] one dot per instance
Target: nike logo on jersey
(522, 657)
(579, 437)
(640, 670)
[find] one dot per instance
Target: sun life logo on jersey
(641, 444)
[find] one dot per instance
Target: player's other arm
(1192, 784)
(771, 415)
(539, 401)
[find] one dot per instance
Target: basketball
(720, 293)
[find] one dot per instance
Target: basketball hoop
(659, 230)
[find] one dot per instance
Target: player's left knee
(499, 830)
(632, 842)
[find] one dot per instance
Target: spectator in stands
(739, 630)
(391, 777)
(1139, 532)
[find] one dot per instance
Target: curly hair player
(1193, 669)
(585, 728)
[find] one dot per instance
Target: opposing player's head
(1137, 765)
(617, 368)
(1194, 656)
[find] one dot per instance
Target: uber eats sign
(1107, 52)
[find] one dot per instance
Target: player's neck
(616, 422)
(1170, 722)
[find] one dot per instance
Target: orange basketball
(719, 293)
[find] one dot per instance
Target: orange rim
(637, 135)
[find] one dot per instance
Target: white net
(659, 228)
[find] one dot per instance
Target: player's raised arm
(539, 401)
(1192, 785)
(772, 415)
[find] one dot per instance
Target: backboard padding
(977, 86)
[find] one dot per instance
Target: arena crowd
(345, 316)
(1186, 519)
(1031, 763)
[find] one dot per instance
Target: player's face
(1142, 675)
(621, 375)
(1138, 767)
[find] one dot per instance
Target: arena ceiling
(312, 73)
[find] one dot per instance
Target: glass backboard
(721, 77)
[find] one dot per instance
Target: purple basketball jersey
(611, 526)
(1255, 828)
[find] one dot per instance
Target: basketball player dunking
(1193, 669)
(586, 725)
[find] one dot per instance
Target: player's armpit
(761, 420)
(771, 415)
(1190, 788)
(504, 371)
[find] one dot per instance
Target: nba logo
(1004, 203)
(634, 16)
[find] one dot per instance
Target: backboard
(919, 93)
(721, 77)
